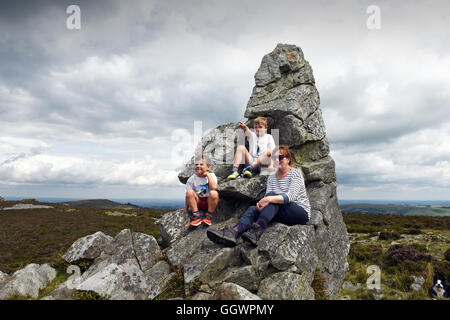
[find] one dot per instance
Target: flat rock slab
(21, 206)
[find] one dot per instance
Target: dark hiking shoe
(253, 234)
(226, 236)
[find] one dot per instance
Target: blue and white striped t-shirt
(293, 186)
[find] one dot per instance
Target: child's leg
(192, 199)
(241, 151)
(213, 201)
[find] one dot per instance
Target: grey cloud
(176, 44)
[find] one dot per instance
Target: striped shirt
(292, 187)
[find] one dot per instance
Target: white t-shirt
(265, 142)
(200, 184)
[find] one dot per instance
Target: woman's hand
(264, 202)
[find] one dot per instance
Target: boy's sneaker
(247, 173)
(233, 176)
(196, 219)
(207, 219)
(226, 236)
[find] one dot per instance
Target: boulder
(417, 283)
(201, 259)
(286, 286)
(290, 248)
(231, 291)
(172, 226)
(88, 247)
(3, 277)
(243, 188)
(219, 144)
(27, 282)
(129, 268)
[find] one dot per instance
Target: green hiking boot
(247, 173)
(233, 176)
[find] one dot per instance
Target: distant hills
(409, 208)
(100, 203)
(406, 210)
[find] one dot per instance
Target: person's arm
(268, 200)
(243, 126)
(271, 146)
(295, 188)
(212, 180)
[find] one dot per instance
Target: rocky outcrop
(286, 95)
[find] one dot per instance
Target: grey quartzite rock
(27, 281)
(232, 291)
(127, 269)
(172, 226)
(286, 286)
(3, 277)
(88, 247)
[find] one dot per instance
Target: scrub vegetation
(403, 247)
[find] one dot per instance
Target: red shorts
(202, 203)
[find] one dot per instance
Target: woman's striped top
(291, 187)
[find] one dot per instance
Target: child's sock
(235, 168)
(250, 168)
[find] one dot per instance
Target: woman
(285, 201)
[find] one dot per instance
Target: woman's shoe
(253, 234)
(226, 236)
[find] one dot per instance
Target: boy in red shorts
(201, 192)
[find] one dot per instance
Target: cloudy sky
(97, 111)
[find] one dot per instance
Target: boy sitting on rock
(261, 145)
(201, 192)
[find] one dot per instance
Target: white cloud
(53, 169)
